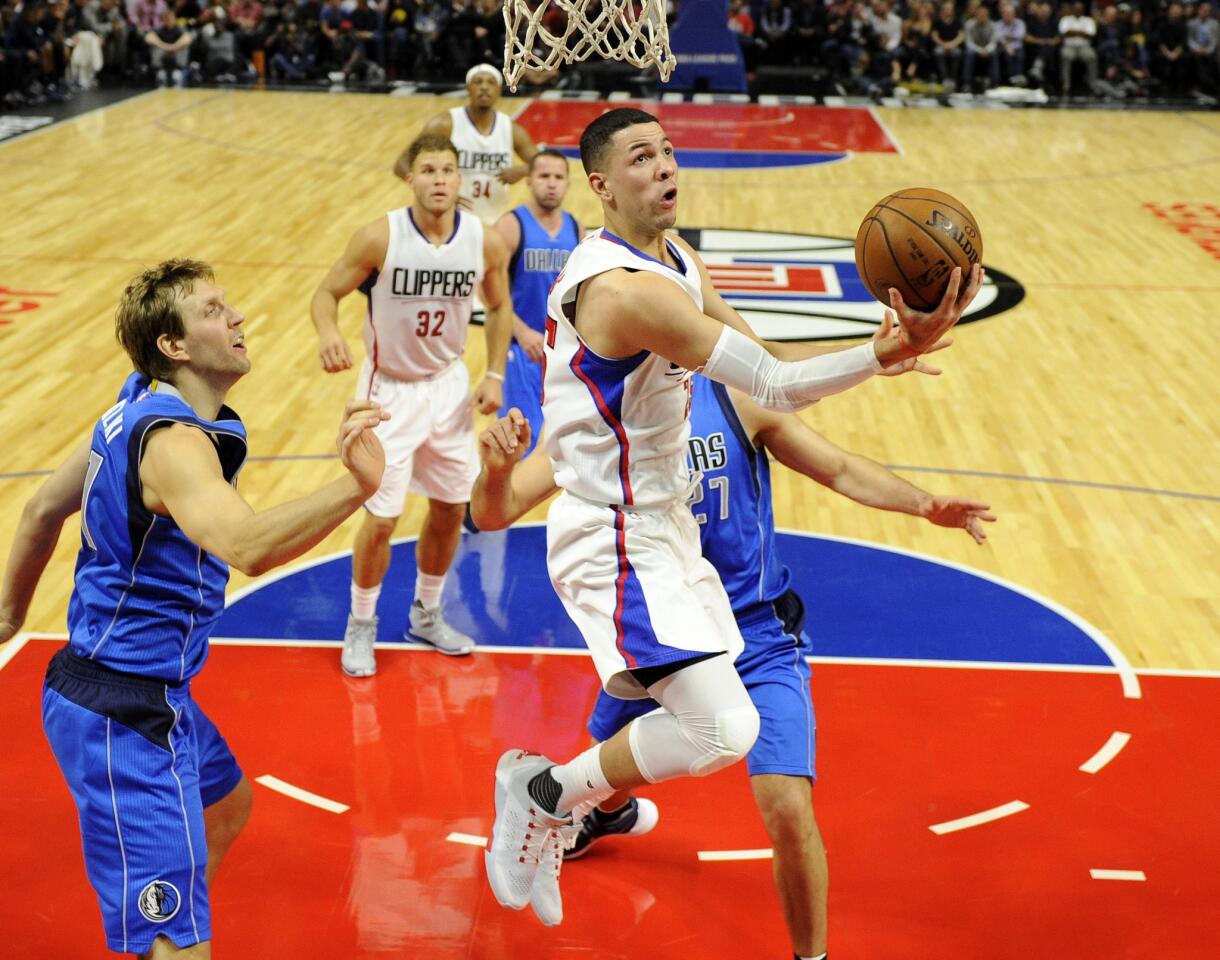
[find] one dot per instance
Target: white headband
(481, 68)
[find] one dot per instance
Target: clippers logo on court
(159, 901)
(796, 286)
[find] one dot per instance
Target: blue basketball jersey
(536, 264)
(145, 597)
(732, 503)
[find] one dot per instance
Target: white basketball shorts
(638, 588)
(429, 439)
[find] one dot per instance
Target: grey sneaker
(521, 832)
(358, 659)
(429, 626)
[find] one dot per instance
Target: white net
(542, 34)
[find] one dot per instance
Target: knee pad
(666, 746)
(736, 729)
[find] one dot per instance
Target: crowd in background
(1157, 47)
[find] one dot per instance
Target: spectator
(1010, 34)
(1169, 60)
(103, 18)
(1110, 36)
(27, 43)
(1042, 43)
(366, 30)
(220, 53)
(948, 37)
(775, 25)
(914, 59)
(286, 56)
(982, 43)
(87, 58)
(169, 46)
(1202, 34)
(246, 17)
(1077, 29)
(741, 23)
(809, 30)
(427, 32)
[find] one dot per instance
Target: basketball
(912, 240)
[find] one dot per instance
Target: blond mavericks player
(420, 267)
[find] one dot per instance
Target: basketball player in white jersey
(632, 312)
(486, 140)
(420, 267)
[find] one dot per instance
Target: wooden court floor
(1087, 417)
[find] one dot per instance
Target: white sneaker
(521, 832)
(358, 658)
(544, 895)
(429, 626)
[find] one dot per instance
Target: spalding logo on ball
(911, 241)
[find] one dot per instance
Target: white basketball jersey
(480, 158)
(421, 298)
(616, 430)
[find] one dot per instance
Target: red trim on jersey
(613, 422)
(620, 585)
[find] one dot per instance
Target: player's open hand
(921, 332)
(970, 515)
(505, 441)
(489, 397)
(888, 330)
(358, 446)
(510, 175)
(334, 352)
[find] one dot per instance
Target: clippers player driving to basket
(420, 267)
(633, 311)
(486, 140)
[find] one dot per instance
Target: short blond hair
(151, 307)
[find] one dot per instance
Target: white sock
(428, 589)
(581, 779)
(820, 956)
(364, 601)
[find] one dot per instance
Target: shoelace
(534, 842)
(552, 854)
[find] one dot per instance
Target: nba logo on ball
(795, 286)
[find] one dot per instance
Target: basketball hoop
(633, 31)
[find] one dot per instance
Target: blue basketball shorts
(523, 389)
(142, 761)
(776, 675)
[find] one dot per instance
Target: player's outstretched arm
(365, 253)
(798, 446)
(506, 489)
(627, 312)
(498, 324)
(37, 534)
(182, 479)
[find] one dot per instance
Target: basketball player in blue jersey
(731, 437)
(540, 235)
(159, 795)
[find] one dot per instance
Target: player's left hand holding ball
(359, 448)
(887, 330)
(489, 397)
(505, 441)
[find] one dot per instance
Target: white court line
(983, 816)
(468, 838)
(765, 854)
(1109, 750)
(1116, 874)
(313, 799)
(12, 648)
